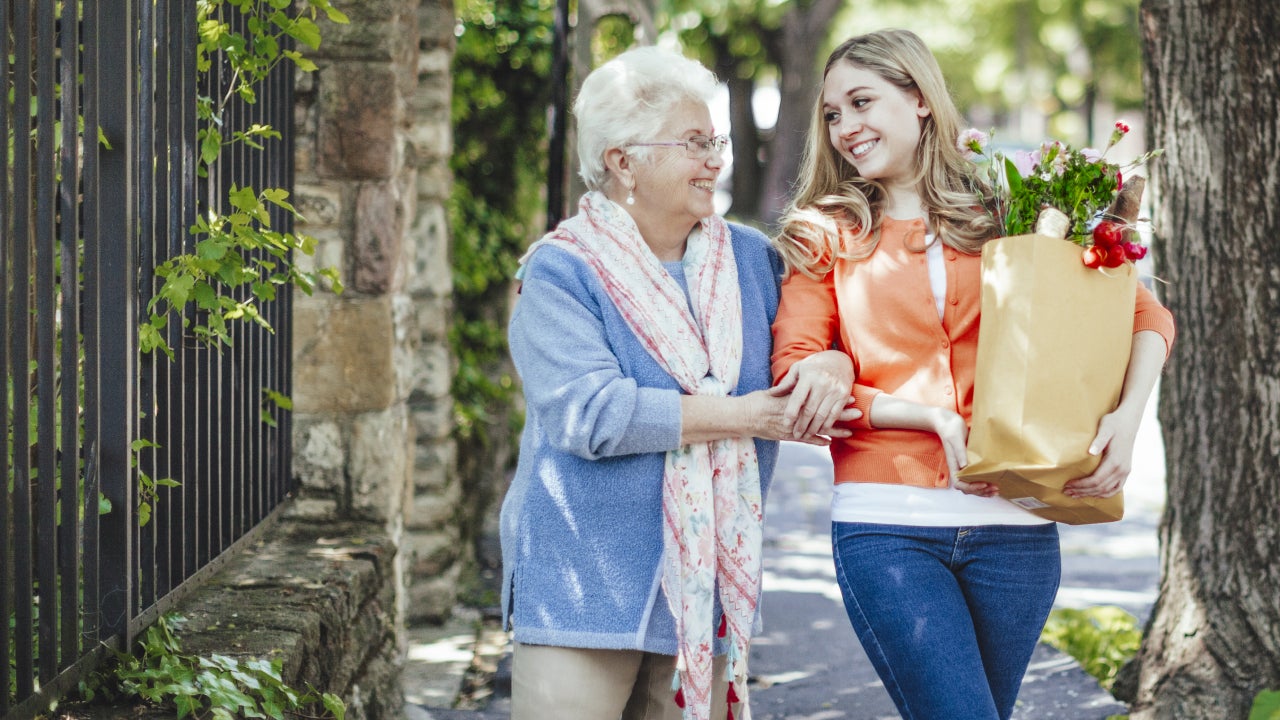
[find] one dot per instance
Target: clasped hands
(816, 391)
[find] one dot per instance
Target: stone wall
(320, 598)
(372, 411)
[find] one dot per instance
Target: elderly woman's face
(672, 187)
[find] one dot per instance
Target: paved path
(808, 665)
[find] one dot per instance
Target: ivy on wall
(501, 92)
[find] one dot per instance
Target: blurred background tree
(1030, 69)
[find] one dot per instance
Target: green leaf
(334, 704)
(305, 31)
(210, 145)
(104, 504)
(211, 249)
(302, 62)
(1266, 706)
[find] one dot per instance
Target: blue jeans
(948, 616)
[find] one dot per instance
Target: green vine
(501, 77)
(238, 248)
(217, 686)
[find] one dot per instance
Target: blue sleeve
(573, 381)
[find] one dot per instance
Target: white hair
(627, 100)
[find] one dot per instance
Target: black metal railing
(99, 186)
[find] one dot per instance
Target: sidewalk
(808, 665)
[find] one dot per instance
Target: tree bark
(1212, 93)
(748, 171)
(804, 33)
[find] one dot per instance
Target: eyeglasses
(697, 147)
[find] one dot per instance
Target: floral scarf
(711, 502)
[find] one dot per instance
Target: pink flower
(972, 143)
(1091, 155)
(1025, 161)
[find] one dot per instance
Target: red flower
(1122, 127)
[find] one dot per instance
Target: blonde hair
(836, 214)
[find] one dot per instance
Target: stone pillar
(372, 371)
(433, 539)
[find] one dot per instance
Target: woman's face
(671, 187)
(873, 124)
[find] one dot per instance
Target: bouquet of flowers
(1082, 184)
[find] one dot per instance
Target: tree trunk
(804, 33)
(748, 171)
(1212, 90)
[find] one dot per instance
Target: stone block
(342, 355)
(436, 21)
(434, 373)
(380, 221)
(431, 600)
(319, 205)
(379, 30)
(435, 464)
(319, 456)
(432, 511)
(381, 446)
(360, 119)
(435, 182)
(431, 554)
(430, 272)
(432, 418)
(431, 141)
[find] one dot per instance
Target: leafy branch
(238, 248)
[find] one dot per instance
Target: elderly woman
(631, 532)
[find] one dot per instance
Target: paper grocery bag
(1053, 347)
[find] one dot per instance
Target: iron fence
(100, 185)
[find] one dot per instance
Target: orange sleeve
(1149, 314)
(807, 320)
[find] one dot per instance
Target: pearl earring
(631, 196)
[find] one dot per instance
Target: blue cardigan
(582, 521)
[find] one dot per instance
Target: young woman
(946, 584)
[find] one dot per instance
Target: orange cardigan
(890, 328)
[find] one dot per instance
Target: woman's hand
(1118, 430)
(770, 418)
(954, 434)
(817, 390)
(888, 411)
(1117, 434)
(761, 414)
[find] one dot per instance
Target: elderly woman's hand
(771, 419)
(817, 390)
